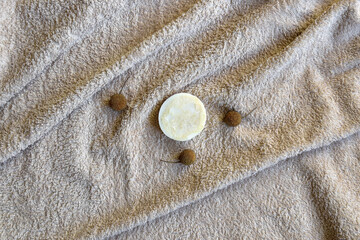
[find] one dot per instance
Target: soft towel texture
(312, 196)
(73, 168)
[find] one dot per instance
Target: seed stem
(169, 161)
(250, 112)
(124, 84)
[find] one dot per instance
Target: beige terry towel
(73, 168)
(312, 196)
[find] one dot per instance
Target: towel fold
(72, 168)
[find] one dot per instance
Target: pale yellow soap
(182, 116)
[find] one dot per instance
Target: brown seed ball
(232, 118)
(187, 157)
(117, 102)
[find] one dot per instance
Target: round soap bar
(182, 116)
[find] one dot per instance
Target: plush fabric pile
(72, 168)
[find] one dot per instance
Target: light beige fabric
(72, 168)
(312, 196)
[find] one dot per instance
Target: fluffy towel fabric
(72, 168)
(312, 196)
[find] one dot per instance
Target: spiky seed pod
(187, 157)
(232, 118)
(117, 102)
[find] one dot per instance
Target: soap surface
(182, 116)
